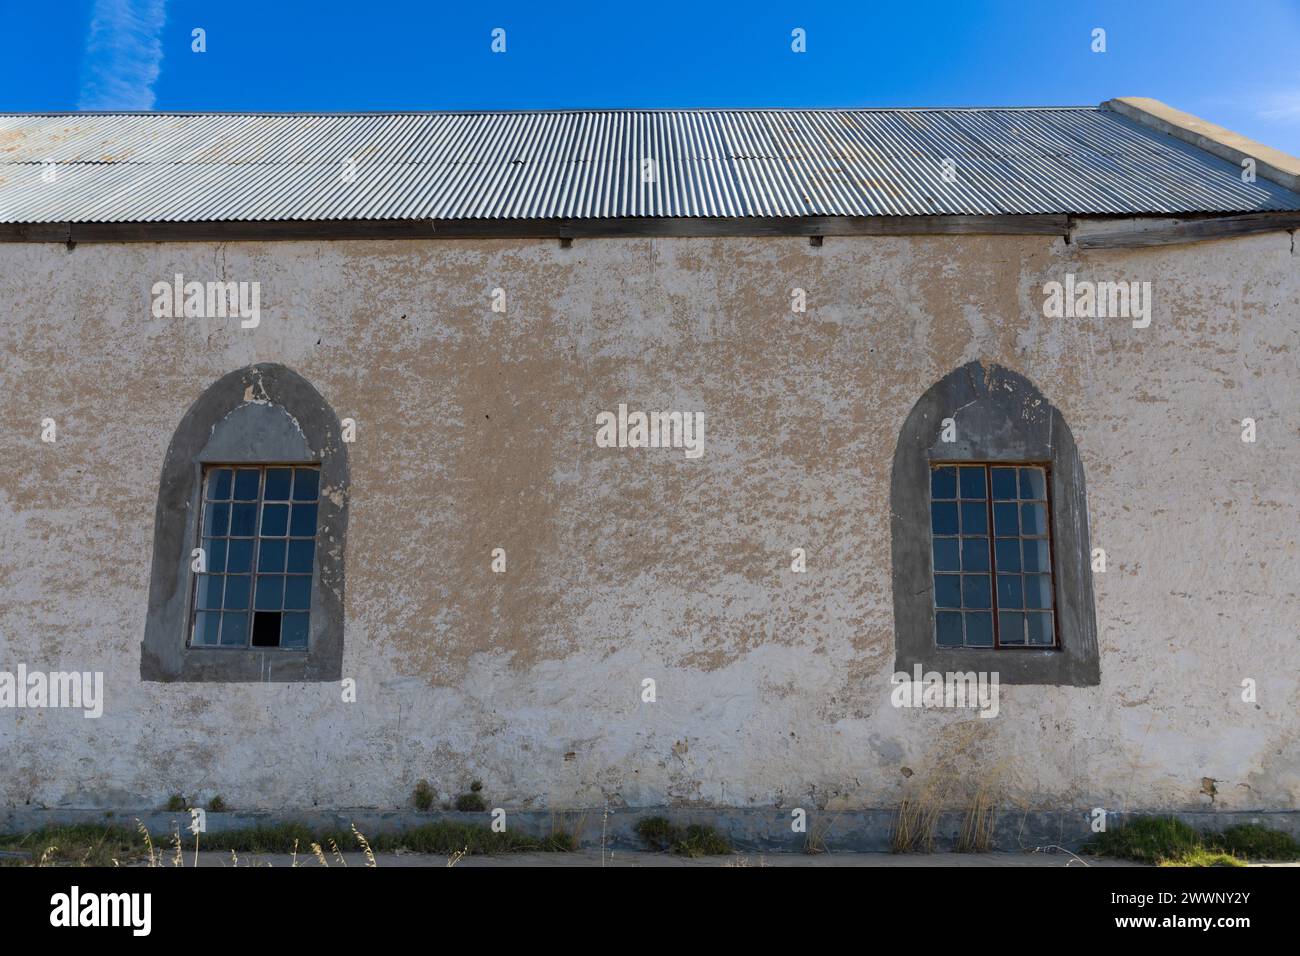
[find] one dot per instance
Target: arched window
(991, 560)
(249, 535)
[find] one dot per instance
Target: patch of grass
(84, 844)
(422, 796)
(98, 845)
(1165, 841)
(470, 802)
(661, 835)
(1254, 842)
(1203, 857)
(269, 839)
(1147, 840)
(470, 838)
(657, 833)
(700, 840)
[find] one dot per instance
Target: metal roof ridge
(564, 111)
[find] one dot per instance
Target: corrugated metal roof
(577, 164)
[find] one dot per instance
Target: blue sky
(1234, 64)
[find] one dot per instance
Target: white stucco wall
(476, 431)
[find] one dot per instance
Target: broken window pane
(266, 629)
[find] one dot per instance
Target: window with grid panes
(990, 528)
(258, 530)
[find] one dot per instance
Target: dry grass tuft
(938, 789)
(814, 842)
(977, 827)
(148, 842)
(365, 846)
(566, 831)
(334, 845)
(918, 816)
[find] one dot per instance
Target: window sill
(1018, 665)
(244, 665)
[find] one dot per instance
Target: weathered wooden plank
(534, 228)
(1200, 230)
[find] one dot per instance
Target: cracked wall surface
(476, 430)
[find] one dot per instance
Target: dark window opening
(266, 629)
(258, 534)
(992, 555)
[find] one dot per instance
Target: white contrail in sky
(123, 55)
